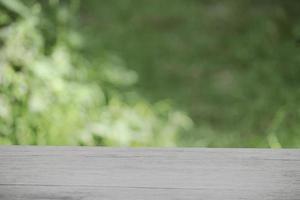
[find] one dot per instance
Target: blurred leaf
(16, 6)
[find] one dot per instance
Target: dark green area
(233, 65)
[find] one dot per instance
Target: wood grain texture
(90, 173)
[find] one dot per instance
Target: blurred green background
(201, 73)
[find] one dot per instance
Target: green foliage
(51, 95)
(232, 65)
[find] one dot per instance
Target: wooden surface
(80, 173)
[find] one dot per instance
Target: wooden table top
(92, 173)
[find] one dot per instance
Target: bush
(50, 94)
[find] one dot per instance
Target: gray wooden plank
(148, 173)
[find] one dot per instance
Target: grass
(233, 66)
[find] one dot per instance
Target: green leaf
(15, 6)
